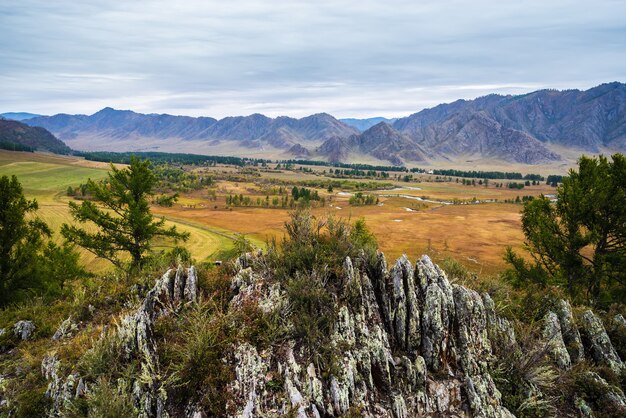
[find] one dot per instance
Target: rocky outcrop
(569, 331)
(554, 340)
(411, 344)
(135, 336)
(405, 342)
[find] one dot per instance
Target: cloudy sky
(350, 58)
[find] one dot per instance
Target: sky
(348, 58)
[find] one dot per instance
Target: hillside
(399, 342)
(14, 132)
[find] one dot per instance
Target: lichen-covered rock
(437, 314)
(499, 329)
(60, 391)
(473, 347)
(408, 344)
(554, 340)
(3, 401)
(569, 331)
(611, 396)
(249, 383)
(403, 343)
(23, 329)
(136, 338)
(65, 330)
(598, 343)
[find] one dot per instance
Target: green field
(46, 178)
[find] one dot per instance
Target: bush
(525, 376)
(105, 400)
(193, 356)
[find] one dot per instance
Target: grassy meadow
(46, 178)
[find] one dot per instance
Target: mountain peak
(381, 127)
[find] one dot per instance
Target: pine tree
(579, 242)
(29, 261)
(121, 215)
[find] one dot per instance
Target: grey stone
(597, 342)
(554, 340)
(23, 329)
(65, 330)
(569, 330)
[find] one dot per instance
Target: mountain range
(534, 128)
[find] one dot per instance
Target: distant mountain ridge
(380, 141)
(252, 131)
(19, 116)
(527, 129)
(14, 132)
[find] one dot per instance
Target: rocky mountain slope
(380, 141)
(14, 132)
(589, 120)
(411, 343)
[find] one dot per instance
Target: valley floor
(413, 218)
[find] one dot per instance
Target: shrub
(193, 357)
(106, 400)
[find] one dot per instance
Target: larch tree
(119, 210)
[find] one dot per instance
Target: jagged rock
(438, 314)
(24, 329)
(569, 331)
(405, 314)
(583, 408)
(554, 340)
(65, 330)
(500, 331)
(135, 336)
(597, 342)
(618, 320)
(3, 402)
(472, 340)
(60, 391)
(382, 368)
(612, 396)
(249, 383)
(484, 397)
